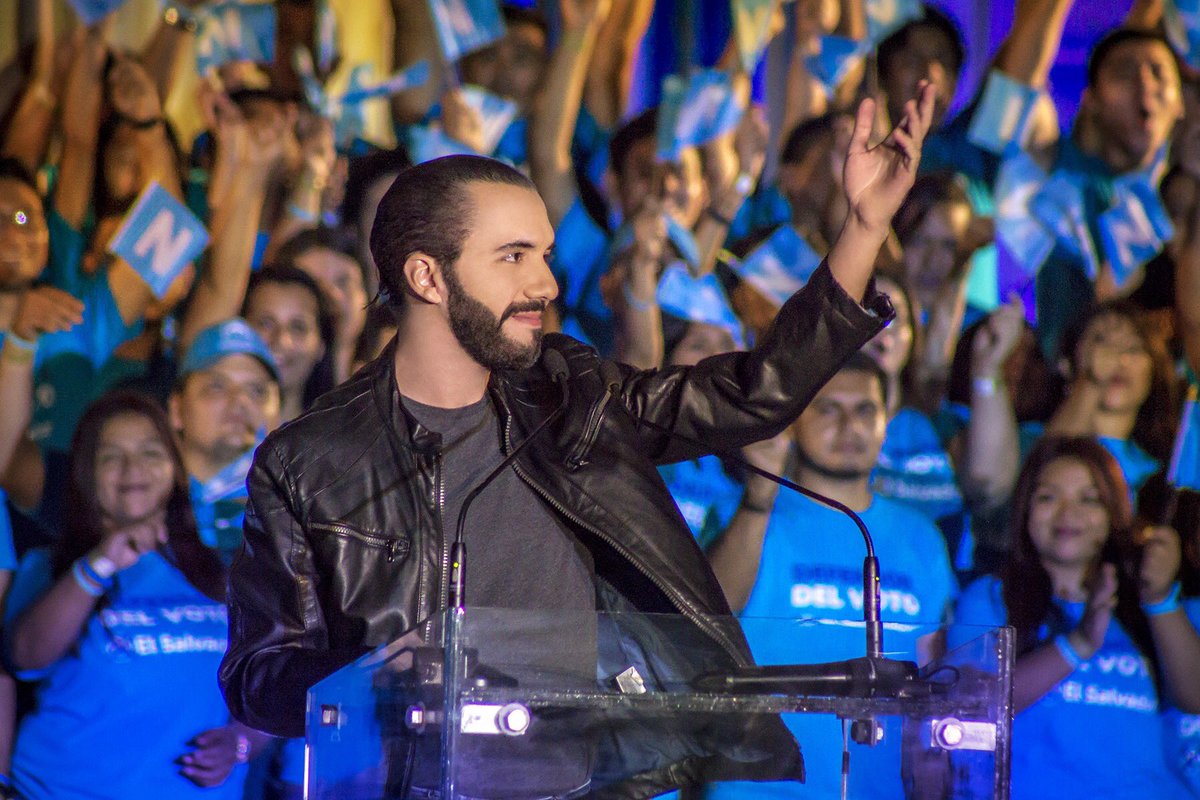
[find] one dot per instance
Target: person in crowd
(1121, 389)
(122, 624)
(470, 321)
(914, 466)
(225, 400)
(330, 256)
(1102, 641)
(785, 556)
(294, 316)
(377, 333)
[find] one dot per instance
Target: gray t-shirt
(520, 554)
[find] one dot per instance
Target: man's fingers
(864, 120)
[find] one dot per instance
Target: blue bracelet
(84, 582)
(1067, 651)
(95, 577)
(19, 343)
(1166, 605)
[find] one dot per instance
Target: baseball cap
(226, 338)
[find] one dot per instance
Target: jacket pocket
(394, 548)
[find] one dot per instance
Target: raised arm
(249, 152)
(27, 141)
(556, 107)
(992, 460)
(610, 74)
(638, 318)
(876, 180)
(735, 162)
(80, 129)
(1175, 638)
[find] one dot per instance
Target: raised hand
(1160, 562)
(124, 546)
(45, 309)
(997, 338)
(877, 179)
(132, 92)
(462, 122)
(1088, 635)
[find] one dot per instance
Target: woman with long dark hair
(123, 626)
(1102, 640)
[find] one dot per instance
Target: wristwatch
(241, 750)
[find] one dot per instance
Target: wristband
(633, 302)
(20, 343)
(1067, 651)
(85, 583)
(99, 570)
(984, 387)
(241, 750)
(139, 124)
(302, 214)
(1166, 605)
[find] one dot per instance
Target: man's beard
(479, 331)
(840, 474)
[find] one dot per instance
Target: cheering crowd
(1019, 438)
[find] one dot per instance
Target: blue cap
(226, 339)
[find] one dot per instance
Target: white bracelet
(984, 387)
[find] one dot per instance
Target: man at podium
(353, 507)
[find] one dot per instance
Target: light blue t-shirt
(1181, 732)
(113, 715)
(580, 260)
(915, 469)
(811, 567)
(706, 495)
(1136, 464)
(1098, 732)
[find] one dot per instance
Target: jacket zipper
(590, 430)
(700, 622)
(370, 540)
(443, 592)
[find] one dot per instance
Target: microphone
(556, 365)
(869, 676)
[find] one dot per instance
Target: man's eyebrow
(517, 244)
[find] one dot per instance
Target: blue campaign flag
(681, 239)
(464, 26)
(1134, 230)
(159, 238)
(1181, 23)
(1184, 471)
(1003, 121)
(886, 16)
(234, 31)
(496, 113)
(697, 299)
(751, 24)
(695, 110)
(1023, 235)
(837, 56)
(427, 142)
(1059, 206)
(780, 266)
(92, 11)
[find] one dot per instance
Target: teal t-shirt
(707, 497)
(112, 715)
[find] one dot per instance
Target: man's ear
(422, 275)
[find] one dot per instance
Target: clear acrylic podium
(488, 703)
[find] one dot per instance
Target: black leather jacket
(345, 548)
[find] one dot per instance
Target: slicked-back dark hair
(427, 210)
(934, 18)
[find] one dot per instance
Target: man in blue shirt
(798, 559)
(225, 401)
